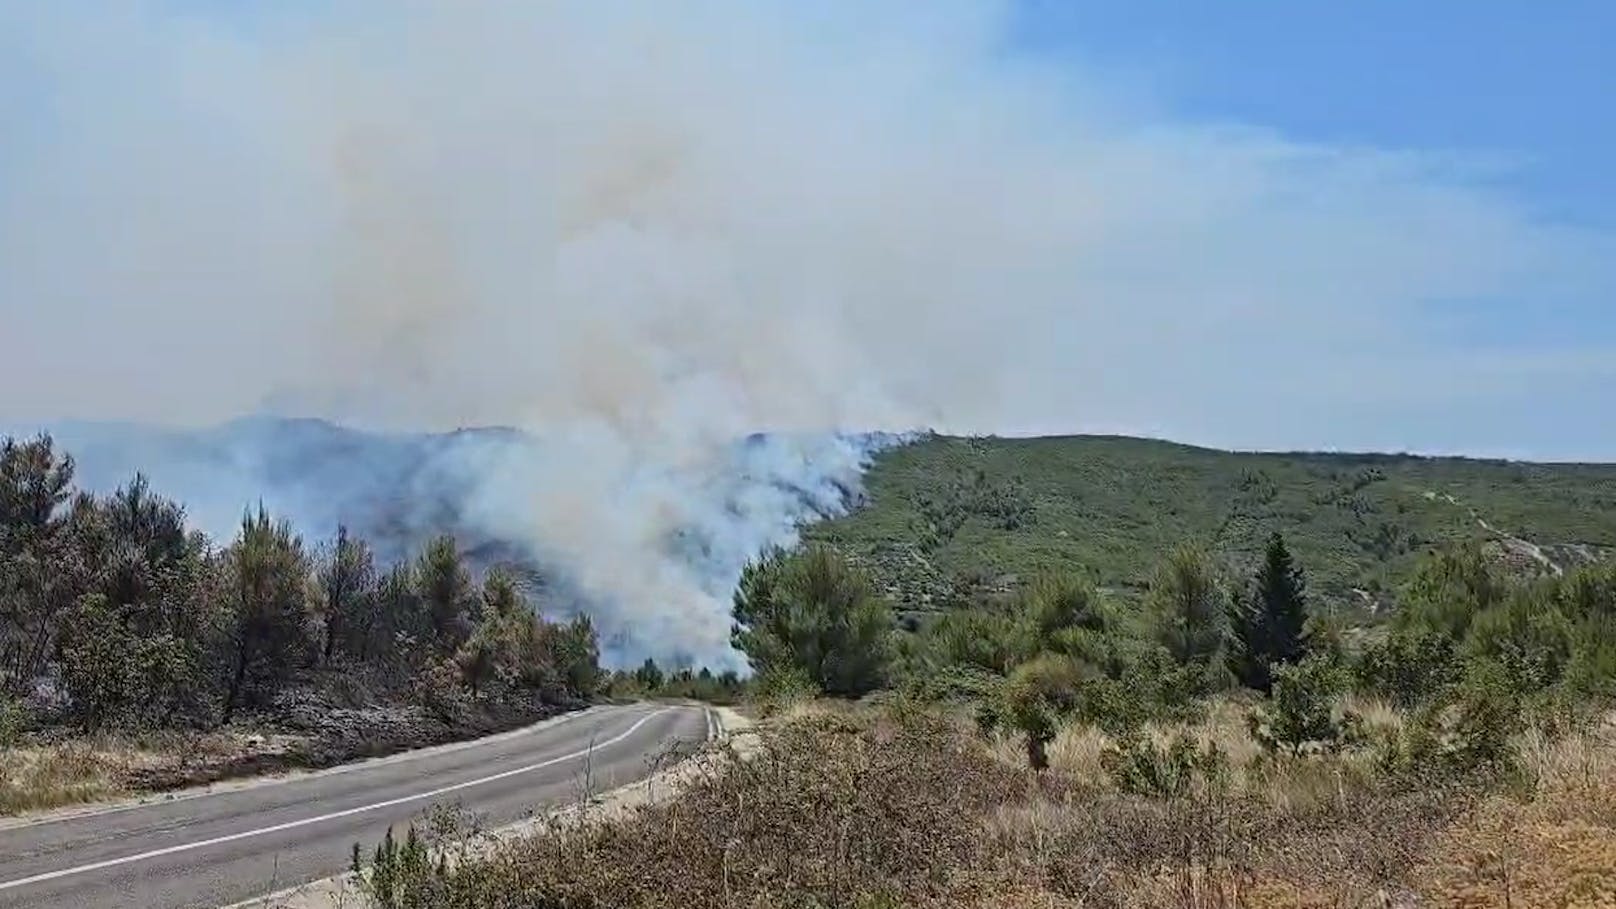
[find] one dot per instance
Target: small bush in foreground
(1303, 713)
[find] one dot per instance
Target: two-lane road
(218, 847)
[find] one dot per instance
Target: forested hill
(946, 515)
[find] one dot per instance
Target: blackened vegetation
(113, 614)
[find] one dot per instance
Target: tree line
(1468, 647)
(112, 612)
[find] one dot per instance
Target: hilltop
(947, 515)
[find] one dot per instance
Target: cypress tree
(1268, 625)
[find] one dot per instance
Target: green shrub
(1038, 696)
(1302, 713)
(401, 875)
(984, 639)
(813, 611)
(781, 687)
(1411, 666)
(1467, 734)
(13, 719)
(1140, 765)
(1529, 639)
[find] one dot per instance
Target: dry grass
(1557, 848)
(836, 811)
(39, 776)
(876, 808)
(36, 778)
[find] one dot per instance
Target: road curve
(218, 847)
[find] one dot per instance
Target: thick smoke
(640, 232)
(674, 536)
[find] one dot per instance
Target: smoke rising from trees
(640, 232)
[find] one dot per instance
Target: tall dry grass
(41, 775)
(36, 778)
(1554, 847)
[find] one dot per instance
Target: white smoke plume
(642, 231)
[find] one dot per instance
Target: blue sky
(1530, 84)
(1351, 225)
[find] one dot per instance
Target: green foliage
(1528, 639)
(1268, 625)
(267, 597)
(114, 675)
(140, 622)
(691, 684)
(39, 578)
(1410, 666)
(1450, 588)
(1115, 505)
(401, 875)
(1037, 696)
(1587, 598)
(577, 657)
(1468, 733)
(13, 720)
(648, 676)
(347, 576)
(1062, 613)
(1140, 765)
(1189, 606)
(992, 641)
(1302, 712)
(970, 496)
(812, 611)
(782, 686)
(446, 592)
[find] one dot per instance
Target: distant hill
(952, 514)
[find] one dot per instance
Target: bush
(1302, 712)
(1189, 606)
(1466, 734)
(116, 676)
(13, 719)
(401, 875)
(992, 641)
(783, 687)
(439, 688)
(1140, 765)
(1036, 698)
(1528, 639)
(1450, 588)
(1411, 666)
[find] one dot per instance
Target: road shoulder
(728, 732)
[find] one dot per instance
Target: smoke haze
(640, 232)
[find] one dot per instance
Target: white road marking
(234, 786)
(349, 812)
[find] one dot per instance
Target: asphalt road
(215, 848)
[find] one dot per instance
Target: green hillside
(947, 515)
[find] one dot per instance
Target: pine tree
(1268, 625)
(266, 595)
(444, 586)
(1189, 606)
(348, 582)
(814, 613)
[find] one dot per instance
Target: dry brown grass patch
(1557, 848)
(40, 777)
